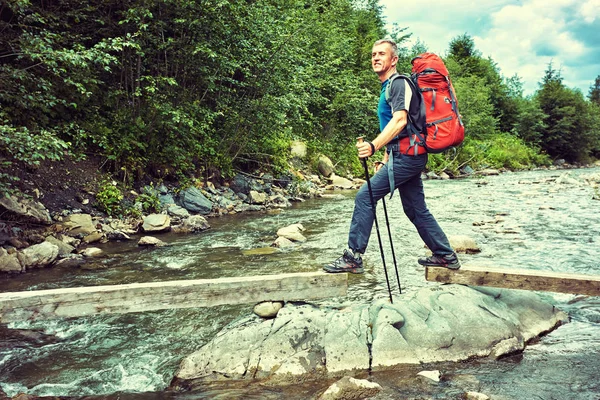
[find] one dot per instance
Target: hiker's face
(382, 59)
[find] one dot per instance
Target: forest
(191, 90)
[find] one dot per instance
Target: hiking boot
(449, 261)
(346, 263)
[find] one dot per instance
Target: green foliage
(594, 93)
(507, 151)
(23, 145)
(571, 122)
(183, 88)
(109, 198)
(149, 203)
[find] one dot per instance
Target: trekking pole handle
(361, 139)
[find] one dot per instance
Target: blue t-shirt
(401, 98)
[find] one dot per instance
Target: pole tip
(360, 139)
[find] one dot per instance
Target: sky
(522, 37)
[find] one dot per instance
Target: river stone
(9, 262)
(92, 252)
(257, 197)
(77, 224)
(431, 375)
(342, 183)
(38, 255)
(279, 201)
(433, 324)
(268, 309)
(325, 165)
(194, 201)
(292, 232)
(117, 235)
(27, 209)
(349, 388)
(240, 184)
(282, 243)
(93, 237)
(476, 396)
(177, 211)
(63, 248)
(195, 223)
(156, 223)
(151, 242)
(464, 244)
(70, 261)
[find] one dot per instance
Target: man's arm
(391, 130)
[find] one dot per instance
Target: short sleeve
(400, 95)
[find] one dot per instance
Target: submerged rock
(349, 388)
(435, 324)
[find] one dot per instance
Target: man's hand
(378, 165)
(365, 149)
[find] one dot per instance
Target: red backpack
(444, 128)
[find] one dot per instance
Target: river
(520, 220)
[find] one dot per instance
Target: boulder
(156, 223)
(9, 262)
(26, 209)
(292, 232)
(79, 224)
(257, 197)
(177, 211)
(195, 223)
(39, 255)
(325, 166)
(240, 184)
(63, 248)
(194, 201)
(433, 324)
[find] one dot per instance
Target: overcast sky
(522, 37)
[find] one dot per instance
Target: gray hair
(391, 42)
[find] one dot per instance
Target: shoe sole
(336, 270)
(449, 266)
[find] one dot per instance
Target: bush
(109, 198)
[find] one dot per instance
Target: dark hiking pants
(407, 177)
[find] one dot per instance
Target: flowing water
(520, 220)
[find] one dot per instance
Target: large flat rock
(442, 323)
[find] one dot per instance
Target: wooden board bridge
(512, 278)
(139, 297)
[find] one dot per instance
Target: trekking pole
(387, 221)
(373, 206)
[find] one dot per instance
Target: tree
(570, 131)
(594, 93)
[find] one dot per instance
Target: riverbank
(528, 220)
(61, 209)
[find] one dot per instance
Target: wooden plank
(512, 278)
(136, 297)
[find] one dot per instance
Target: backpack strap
(416, 138)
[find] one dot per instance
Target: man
(401, 170)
